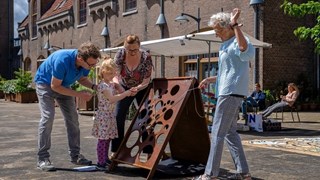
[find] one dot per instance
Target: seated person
(287, 100)
(256, 99)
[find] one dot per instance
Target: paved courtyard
(292, 153)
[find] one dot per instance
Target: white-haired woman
(231, 87)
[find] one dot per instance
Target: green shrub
(9, 86)
(269, 96)
(2, 80)
(24, 80)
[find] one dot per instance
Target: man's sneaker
(240, 176)
(80, 160)
(45, 165)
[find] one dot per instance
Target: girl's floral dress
(105, 124)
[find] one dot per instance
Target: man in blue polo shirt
(53, 80)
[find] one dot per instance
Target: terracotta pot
(305, 107)
(313, 107)
(1, 95)
(26, 97)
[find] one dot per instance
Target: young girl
(105, 125)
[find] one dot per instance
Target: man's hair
(131, 39)
(87, 50)
(258, 85)
(223, 18)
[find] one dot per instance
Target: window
(191, 69)
(34, 19)
(190, 65)
(27, 65)
(82, 11)
(130, 5)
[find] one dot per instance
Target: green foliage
(83, 88)
(2, 80)
(78, 87)
(301, 10)
(24, 80)
(269, 96)
(9, 86)
(92, 74)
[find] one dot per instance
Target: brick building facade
(68, 23)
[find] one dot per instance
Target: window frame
(132, 3)
(34, 19)
(82, 12)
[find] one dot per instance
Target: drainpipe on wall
(162, 22)
(256, 6)
(318, 73)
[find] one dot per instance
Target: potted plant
(314, 103)
(9, 89)
(24, 92)
(318, 102)
(270, 99)
(86, 105)
(82, 104)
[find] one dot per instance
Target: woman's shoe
(240, 176)
(204, 177)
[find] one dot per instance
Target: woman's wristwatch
(234, 25)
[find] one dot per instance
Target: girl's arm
(114, 98)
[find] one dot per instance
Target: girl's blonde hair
(107, 65)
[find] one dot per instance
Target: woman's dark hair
(131, 39)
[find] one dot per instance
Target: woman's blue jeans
(122, 109)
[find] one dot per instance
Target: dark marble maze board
(170, 118)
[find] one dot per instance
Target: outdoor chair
(255, 109)
(292, 109)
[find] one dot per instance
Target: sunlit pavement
(267, 156)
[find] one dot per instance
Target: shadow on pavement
(285, 132)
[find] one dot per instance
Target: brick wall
(284, 61)
(288, 57)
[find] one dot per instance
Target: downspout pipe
(257, 36)
(162, 22)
